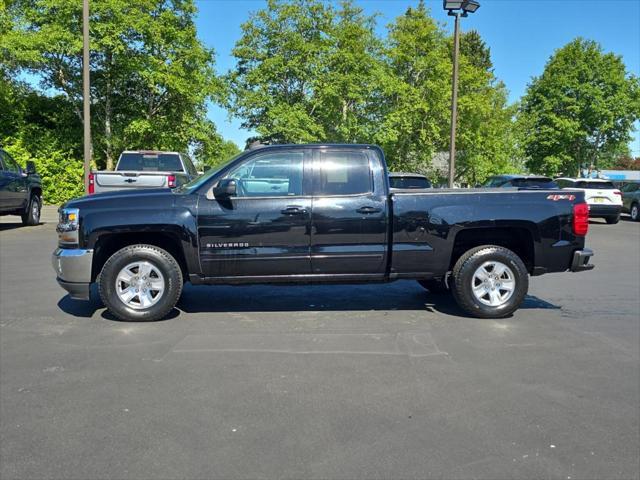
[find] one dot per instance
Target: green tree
(306, 72)
(581, 110)
(417, 91)
(416, 109)
(151, 76)
(485, 137)
(279, 59)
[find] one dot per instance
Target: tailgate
(113, 180)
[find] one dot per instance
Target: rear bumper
(604, 210)
(580, 262)
(73, 271)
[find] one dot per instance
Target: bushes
(62, 175)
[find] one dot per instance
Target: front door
(264, 229)
(349, 222)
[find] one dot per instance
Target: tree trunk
(108, 134)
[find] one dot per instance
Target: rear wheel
(635, 212)
(612, 220)
(489, 282)
(31, 216)
(140, 283)
(434, 285)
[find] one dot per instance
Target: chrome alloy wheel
(35, 211)
(493, 283)
(140, 285)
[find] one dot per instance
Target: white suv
(604, 199)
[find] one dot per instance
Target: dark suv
(20, 190)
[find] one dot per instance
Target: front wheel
(635, 212)
(31, 216)
(140, 283)
(489, 282)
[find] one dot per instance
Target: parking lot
(365, 381)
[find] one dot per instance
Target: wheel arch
(520, 240)
(108, 244)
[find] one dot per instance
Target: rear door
(349, 219)
(265, 229)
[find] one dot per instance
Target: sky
(522, 35)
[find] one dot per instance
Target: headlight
(68, 222)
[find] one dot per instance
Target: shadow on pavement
(268, 298)
(11, 226)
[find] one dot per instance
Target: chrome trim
(72, 265)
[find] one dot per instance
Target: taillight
(580, 219)
(92, 185)
(617, 192)
(171, 181)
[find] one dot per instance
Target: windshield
(595, 185)
(533, 183)
(202, 179)
(150, 162)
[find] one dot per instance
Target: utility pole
(86, 94)
(454, 101)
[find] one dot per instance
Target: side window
(270, 175)
(9, 163)
(344, 173)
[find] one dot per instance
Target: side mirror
(225, 188)
(31, 168)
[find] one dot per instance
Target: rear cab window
(595, 185)
(343, 172)
(150, 162)
(409, 182)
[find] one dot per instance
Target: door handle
(367, 210)
(293, 210)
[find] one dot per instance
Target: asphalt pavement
(364, 381)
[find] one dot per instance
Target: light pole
(457, 9)
(86, 100)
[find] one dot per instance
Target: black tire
(612, 220)
(161, 260)
(31, 215)
(463, 277)
(435, 286)
(635, 212)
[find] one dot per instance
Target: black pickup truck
(20, 190)
(316, 214)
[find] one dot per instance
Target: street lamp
(456, 8)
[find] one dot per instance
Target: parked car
(604, 199)
(402, 180)
(20, 190)
(315, 214)
(519, 181)
(631, 200)
(144, 169)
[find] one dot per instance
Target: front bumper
(73, 271)
(580, 262)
